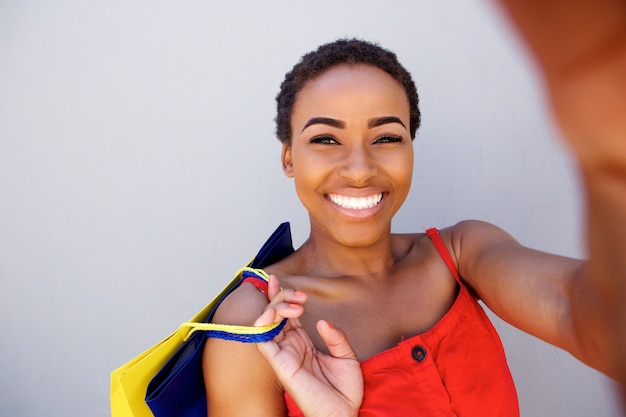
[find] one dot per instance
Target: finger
(287, 310)
(277, 294)
(268, 317)
(270, 348)
(273, 287)
(336, 341)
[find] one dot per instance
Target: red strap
(433, 234)
(258, 283)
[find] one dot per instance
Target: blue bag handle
(178, 388)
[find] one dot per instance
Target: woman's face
(351, 154)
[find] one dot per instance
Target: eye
(324, 140)
(389, 139)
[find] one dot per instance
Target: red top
(457, 368)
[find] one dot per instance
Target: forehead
(350, 89)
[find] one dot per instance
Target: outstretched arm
(580, 49)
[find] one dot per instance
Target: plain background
(139, 170)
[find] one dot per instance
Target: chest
(379, 316)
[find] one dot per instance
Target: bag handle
(244, 334)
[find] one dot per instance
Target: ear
(286, 160)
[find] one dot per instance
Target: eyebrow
(378, 121)
(324, 121)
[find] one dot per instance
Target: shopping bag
(129, 382)
(166, 380)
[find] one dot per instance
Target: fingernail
(330, 325)
(299, 294)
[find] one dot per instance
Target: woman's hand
(580, 49)
(321, 385)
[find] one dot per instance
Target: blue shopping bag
(178, 388)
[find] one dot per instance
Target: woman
(418, 341)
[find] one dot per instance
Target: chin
(359, 235)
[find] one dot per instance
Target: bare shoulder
(476, 247)
(463, 237)
(472, 235)
(242, 307)
(228, 365)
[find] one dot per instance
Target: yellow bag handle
(245, 334)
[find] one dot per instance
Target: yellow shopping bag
(129, 381)
(166, 368)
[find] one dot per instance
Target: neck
(323, 256)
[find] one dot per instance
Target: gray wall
(139, 170)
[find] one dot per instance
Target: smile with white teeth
(355, 203)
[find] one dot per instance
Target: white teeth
(356, 203)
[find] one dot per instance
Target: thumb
(268, 349)
(266, 318)
(336, 341)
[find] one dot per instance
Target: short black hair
(341, 51)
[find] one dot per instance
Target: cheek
(402, 169)
(403, 177)
(306, 190)
(306, 179)
(309, 168)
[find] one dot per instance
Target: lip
(357, 207)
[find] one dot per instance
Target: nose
(358, 166)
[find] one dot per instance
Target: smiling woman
(136, 146)
(349, 150)
(415, 340)
(352, 144)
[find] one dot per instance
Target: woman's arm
(552, 297)
(529, 289)
(238, 380)
(580, 50)
(245, 379)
